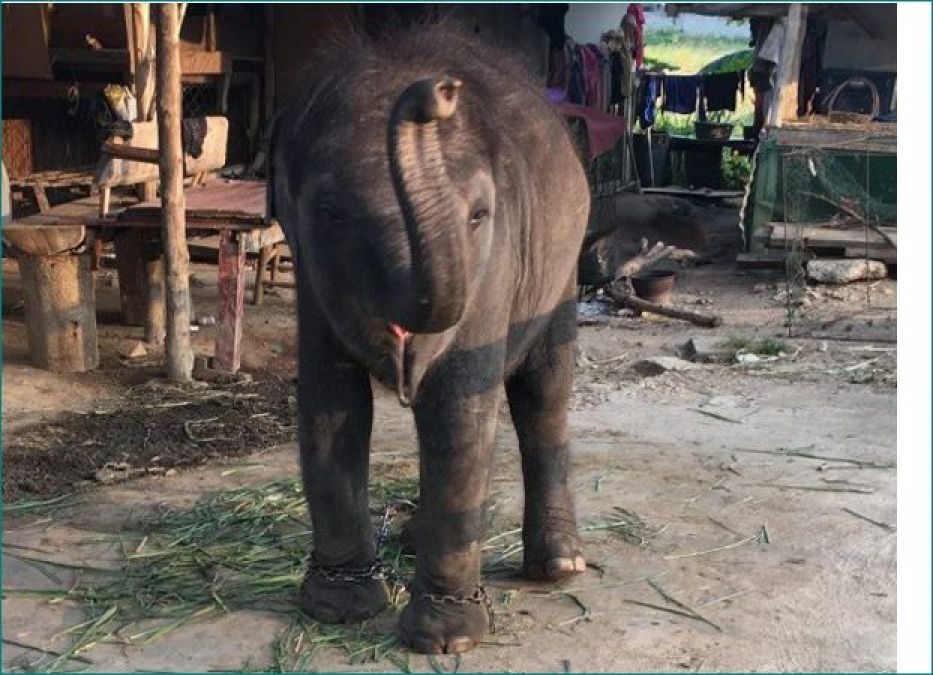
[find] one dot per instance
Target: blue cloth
(647, 102)
(576, 85)
(680, 93)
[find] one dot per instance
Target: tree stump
(61, 322)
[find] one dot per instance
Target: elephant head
(395, 216)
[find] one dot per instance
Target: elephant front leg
(448, 610)
(335, 422)
(538, 394)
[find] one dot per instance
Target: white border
(914, 346)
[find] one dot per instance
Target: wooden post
(784, 100)
(60, 311)
(179, 357)
(143, 59)
(128, 246)
(231, 275)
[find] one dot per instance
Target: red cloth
(636, 12)
(603, 130)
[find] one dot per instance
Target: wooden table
(236, 211)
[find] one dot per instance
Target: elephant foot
(333, 600)
(445, 624)
(554, 554)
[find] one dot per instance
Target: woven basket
(848, 116)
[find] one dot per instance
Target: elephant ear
(273, 208)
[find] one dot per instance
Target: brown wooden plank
(240, 202)
(231, 276)
(888, 255)
(815, 235)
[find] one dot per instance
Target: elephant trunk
(437, 293)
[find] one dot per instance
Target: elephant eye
(479, 215)
(327, 214)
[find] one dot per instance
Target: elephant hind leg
(538, 393)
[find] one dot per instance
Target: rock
(132, 349)
(845, 271)
(747, 358)
(657, 365)
(708, 350)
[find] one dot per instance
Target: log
(646, 258)
(124, 151)
(179, 357)
(626, 298)
(231, 276)
(61, 323)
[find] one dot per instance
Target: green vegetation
(689, 53)
(736, 170)
(247, 548)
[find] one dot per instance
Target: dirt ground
(764, 490)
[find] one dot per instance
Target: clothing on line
(648, 95)
(680, 93)
(719, 90)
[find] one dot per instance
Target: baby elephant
(435, 208)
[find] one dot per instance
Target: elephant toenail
(459, 644)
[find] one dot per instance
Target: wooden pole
(179, 357)
(784, 100)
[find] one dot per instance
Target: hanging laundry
(720, 89)
(615, 88)
(558, 71)
(648, 95)
(680, 93)
(637, 15)
(591, 74)
(576, 87)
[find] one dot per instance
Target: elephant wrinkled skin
(435, 208)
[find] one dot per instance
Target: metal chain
(477, 597)
(378, 570)
(382, 570)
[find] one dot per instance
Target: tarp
(603, 130)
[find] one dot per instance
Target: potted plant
(716, 126)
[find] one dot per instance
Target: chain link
(382, 570)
